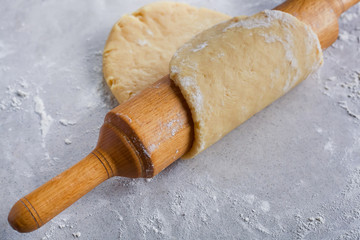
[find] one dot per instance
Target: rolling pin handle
(38, 207)
(321, 15)
(348, 4)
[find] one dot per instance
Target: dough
(236, 68)
(140, 45)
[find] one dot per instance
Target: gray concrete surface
(290, 172)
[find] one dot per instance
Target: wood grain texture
(158, 124)
(138, 139)
(321, 15)
(38, 207)
(347, 4)
(147, 133)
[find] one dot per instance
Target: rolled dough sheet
(140, 46)
(234, 69)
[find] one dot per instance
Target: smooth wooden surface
(321, 15)
(38, 207)
(138, 139)
(147, 133)
(158, 124)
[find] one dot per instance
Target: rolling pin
(125, 146)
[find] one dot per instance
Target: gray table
(290, 172)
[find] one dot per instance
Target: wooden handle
(38, 207)
(147, 133)
(348, 4)
(138, 139)
(321, 15)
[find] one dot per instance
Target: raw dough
(140, 45)
(236, 68)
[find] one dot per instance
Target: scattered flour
(200, 47)
(249, 198)
(346, 91)
(15, 103)
(319, 130)
(347, 37)
(249, 23)
(174, 126)
(196, 98)
(286, 41)
(21, 93)
(14, 99)
(307, 226)
(345, 106)
(153, 147)
(142, 42)
(62, 225)
(66, 122)
(126, 116)
(329, 146)
(148, 31)
(77, 234)
(350, 16)
(45, 119)
(188, 205)
(265, 206)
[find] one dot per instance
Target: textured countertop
(290, 172)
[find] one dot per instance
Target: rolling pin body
(147, 133)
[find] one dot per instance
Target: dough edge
(200, 143)
(130, 65)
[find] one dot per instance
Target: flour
(196, 98)
(249, 23)
(353, 184)
(153, 147)
(174, 126)
(307, 226)
(62, 225)
(286, 39)
(350, 112)
(167, 129)
(21, 93)
(346, 90)
(252, 194)
(14, 99)
(143, 42)
(66, 122)
(329, 146)
(148, 31)
(200, 47)
(287, 44)
(347, 37)
(15, 103)
(77, 234)
(265, 206)
(45, 119)
(126, 117)
(350, 16)
(319, 130)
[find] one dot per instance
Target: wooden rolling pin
(126, 142)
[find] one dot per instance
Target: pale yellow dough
(140, 45)
(236, 68)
